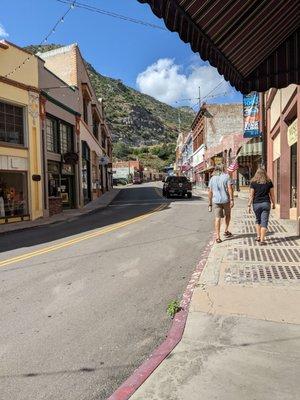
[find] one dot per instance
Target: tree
(121, 151)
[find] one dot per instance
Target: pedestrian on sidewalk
(261, 197)
(221, 194)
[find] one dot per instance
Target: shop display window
(59, 136)
(276, 174)
(11, 124)
(294, 175)
(66, 138)
(52, 135)
(13, 194)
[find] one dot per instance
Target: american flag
(233, 166)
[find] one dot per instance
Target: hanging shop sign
(104, 160)
(251, 115)
(71, 158)
(292, 133)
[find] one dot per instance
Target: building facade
(131, 171)
(20, 143)
(187, 156)
(94, 140)
(59, 132)
(217, 137)
(282, 130)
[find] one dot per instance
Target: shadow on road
(140, 200)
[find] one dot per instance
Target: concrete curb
(80, 214)
(139, 376)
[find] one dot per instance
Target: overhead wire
(216, 87)
(112, 14)
(45, 39)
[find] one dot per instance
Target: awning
(253, 43)
(252, 148)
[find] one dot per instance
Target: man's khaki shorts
(222, 210)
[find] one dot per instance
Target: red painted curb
(126, 390)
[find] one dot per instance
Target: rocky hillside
(135, 118)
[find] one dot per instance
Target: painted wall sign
(251, 115)
(292, 133)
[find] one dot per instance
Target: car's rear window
(179, 179)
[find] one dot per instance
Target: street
(84, 302)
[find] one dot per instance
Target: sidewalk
(66, 215)
(242, 337)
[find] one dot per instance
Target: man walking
(221, 194)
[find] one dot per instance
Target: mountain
(135, 118)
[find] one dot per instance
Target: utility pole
(179, 121)
(199, 98)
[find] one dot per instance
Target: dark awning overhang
(253, 43)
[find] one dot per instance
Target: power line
(216, 87)
(88, 7)
(60, 20)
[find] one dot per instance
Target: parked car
(178, 186)
(136, 180)
(119, 181)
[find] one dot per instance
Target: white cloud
(3, 32)
(167, 82)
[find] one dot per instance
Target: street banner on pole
(251, 115)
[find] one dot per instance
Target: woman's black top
(261, 192)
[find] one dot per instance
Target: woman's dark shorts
(262, 213)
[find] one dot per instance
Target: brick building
(281, 113)
(211, 126)
(94, 139)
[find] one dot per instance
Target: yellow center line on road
(79, 239)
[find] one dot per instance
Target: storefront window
(13, 194)
(66, 138)
(276, 174)
(11, 124)
(52, 135)
(294, 175)
(86, 173)
(59, 136)
(53, 179)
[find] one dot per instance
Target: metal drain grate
(272, 241)
(265, 255)
(274, 226)
(263, 274)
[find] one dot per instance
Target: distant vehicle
(136, 180)
(178, 186)
(119, 181)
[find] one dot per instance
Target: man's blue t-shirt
(218, 184)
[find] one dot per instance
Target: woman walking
(261, 197)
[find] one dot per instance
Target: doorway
(67, 191)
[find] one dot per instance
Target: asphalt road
(83, 303)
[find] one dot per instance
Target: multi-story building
(187, 156)
(217, 137)
(20, 141)
(281, 119)
(60, 129)
(94, 140)
(178, 157)
(131, 170)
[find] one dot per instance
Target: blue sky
(153, 61)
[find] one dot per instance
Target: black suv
(178, 186)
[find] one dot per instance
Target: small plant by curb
(173, 308)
